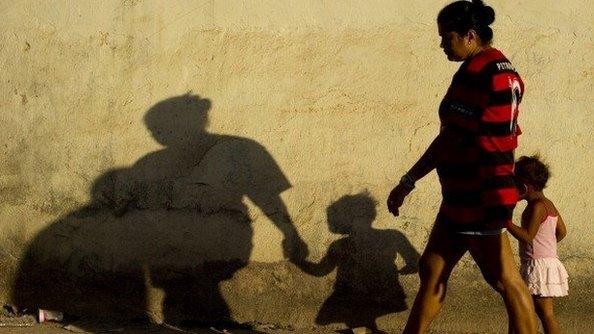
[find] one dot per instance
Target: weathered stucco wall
(312, 100)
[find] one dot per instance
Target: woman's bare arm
(435, 153)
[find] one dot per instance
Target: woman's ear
(472, 36)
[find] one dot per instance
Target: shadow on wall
(367, 284)
(174, 220)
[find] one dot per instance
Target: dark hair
(461, 16)
(532, 171)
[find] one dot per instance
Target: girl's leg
(494, 257)
(544, 309)
(441, 254)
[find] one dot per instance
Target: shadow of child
(367, 284)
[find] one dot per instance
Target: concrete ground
(445, 324)
(58, 329)
(471, 307)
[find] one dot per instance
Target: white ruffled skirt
(545, 277)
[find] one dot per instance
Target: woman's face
(455, 46)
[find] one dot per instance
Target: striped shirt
(478, 188)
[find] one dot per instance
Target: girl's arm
(561, 230)
(535, 216)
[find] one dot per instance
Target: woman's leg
(441, 254)
(510, 327)
(544, 310)
(494, 257)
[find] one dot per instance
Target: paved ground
(486, 319)
(58, 329)
(53, 328)
(468, 309)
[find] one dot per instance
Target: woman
(473, 156)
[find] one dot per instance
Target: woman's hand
(396, 198)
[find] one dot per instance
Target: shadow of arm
(409, 254)
(294, 248)
(322, 268)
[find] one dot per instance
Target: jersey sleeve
(465, 101)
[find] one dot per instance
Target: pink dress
(540, 267)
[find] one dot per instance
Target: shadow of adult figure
(175, 220)
(367, 284)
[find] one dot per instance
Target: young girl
(542, 227)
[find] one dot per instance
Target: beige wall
(342, 95)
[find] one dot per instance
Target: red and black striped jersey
(478, 187)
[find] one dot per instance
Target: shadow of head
(351, 212)
(179, 120)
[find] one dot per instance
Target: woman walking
(474, 158)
